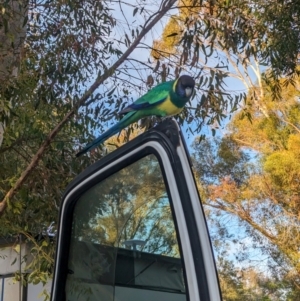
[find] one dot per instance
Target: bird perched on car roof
(165, 99)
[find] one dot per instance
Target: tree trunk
(13, 19)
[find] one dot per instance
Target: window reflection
(124, 241)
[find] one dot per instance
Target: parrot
(165, 99)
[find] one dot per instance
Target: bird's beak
(188, 92)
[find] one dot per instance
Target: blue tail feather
(115, 129)
(124, 122)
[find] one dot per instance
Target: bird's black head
(182, 90)
(185, 86)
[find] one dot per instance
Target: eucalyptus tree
(252, 173)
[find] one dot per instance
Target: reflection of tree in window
(131, 204)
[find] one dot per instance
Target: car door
(131, 227)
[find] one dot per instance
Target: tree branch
(167, 4)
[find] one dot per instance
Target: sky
(236, 230)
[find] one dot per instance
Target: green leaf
(172, 34)
(14, 261)
(135, 11)
(25, 21)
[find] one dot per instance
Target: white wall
(9, 264)
(35, 291)
(11, 290)
(10, 259)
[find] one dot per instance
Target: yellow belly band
(169, 108)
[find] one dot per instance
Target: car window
(124, 244)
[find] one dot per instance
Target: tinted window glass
(124, 244)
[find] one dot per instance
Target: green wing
(152, 98)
